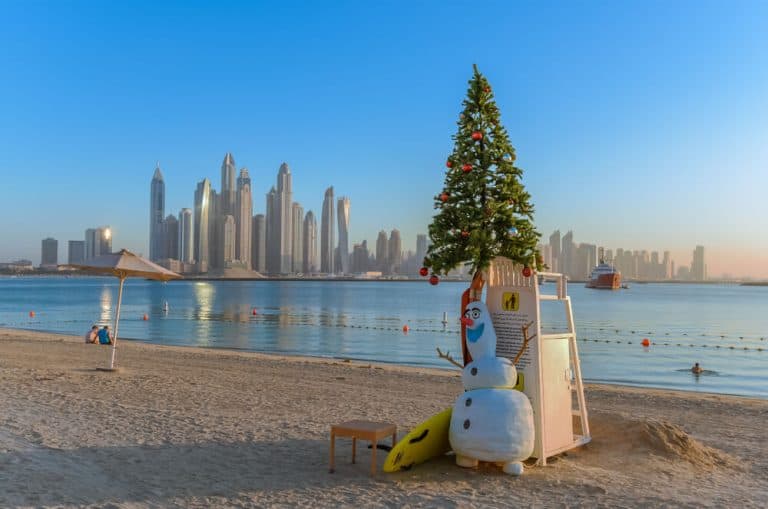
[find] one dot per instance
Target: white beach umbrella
(124, 265)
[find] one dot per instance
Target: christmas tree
(483, 210)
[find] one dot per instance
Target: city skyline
(644, 130)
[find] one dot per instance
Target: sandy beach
(191, 427)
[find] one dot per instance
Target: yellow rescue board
(425, 441)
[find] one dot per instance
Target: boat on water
(604, 277)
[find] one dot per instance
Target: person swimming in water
(696, 369)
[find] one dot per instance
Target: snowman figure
(491, 421)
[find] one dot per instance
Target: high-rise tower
(395, 252)
(50, 253)
(228, 197)
(297, 242)
(202, 224)
(327, 233)
(156, 215)
(343, 217)
(310, 244)
(272, 229)
(259, 243)
(285, 217)
(381, 252)
(698, 267)
(244, 218)
(186, 237)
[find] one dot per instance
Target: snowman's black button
(474, 371)
(468, 402)
(466, 424)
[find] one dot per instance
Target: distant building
(698, 267)
(343, 219)
(76, 251)
(229, 234)
(382, 246)
(98, 241)
(244, 218)
(228, 196)
(554, 261)
(259, 244)
(567, 255)
(310, 244)
(171, 237)
(285, 217)
(360, 258)
(421, 249)
(49, 258)
(327, 233)
(201, 234)
(186, 237)
(394, 252)
(297, 243)
(156, 214)
(272, 233)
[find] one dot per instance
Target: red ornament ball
(527, 271)
(449, 164)
(433, 280)
(423, 271)
(465, 234)
(487, 89)
(467, 168)
(444, 197)
(477, 135)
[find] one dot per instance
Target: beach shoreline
(195, 427)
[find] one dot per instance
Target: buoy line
(691, 345)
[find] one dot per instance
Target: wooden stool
(366, 430)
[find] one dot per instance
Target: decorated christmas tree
(483, 210)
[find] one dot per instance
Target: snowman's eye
(475, 314)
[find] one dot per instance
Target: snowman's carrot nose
(467, 321)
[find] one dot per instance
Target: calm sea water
(725, 328)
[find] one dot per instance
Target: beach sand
(193, 427)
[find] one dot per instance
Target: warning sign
(510, 301)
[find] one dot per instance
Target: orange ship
(604, 277)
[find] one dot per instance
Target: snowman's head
(481, 338)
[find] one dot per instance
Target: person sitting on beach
(92, 336)
(105, 338)
(696, 369)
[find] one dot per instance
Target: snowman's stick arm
(447, 356)
(526, 339)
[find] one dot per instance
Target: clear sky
(639, 124)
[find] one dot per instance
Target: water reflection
(105, 305)
(205, 293)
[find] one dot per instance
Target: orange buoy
(253, 312)
(406, 329)
(31, 314)
(145, 318)
(645, 342)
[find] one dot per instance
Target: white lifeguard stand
(548, 372)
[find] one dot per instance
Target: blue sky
(638, 124)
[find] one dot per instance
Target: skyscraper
(343, 217)
(297, 243)
(244, 218)
(310, 244)
(227, 198)
(76, 253)
(272, 231)
(228, 236)
(156, 215)
(394, 252)
(49, 256)
(360, 257)
(186, 237)
(554, 263)
(421, 248)
(202, 225)
(285, 217)
(327, 234)
(259, 244)
(381, 252)
(98, 241)
(567, 258)
(698, 267)
(171, 237)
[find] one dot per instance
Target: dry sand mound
(620, 439)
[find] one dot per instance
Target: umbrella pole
(117, 323)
